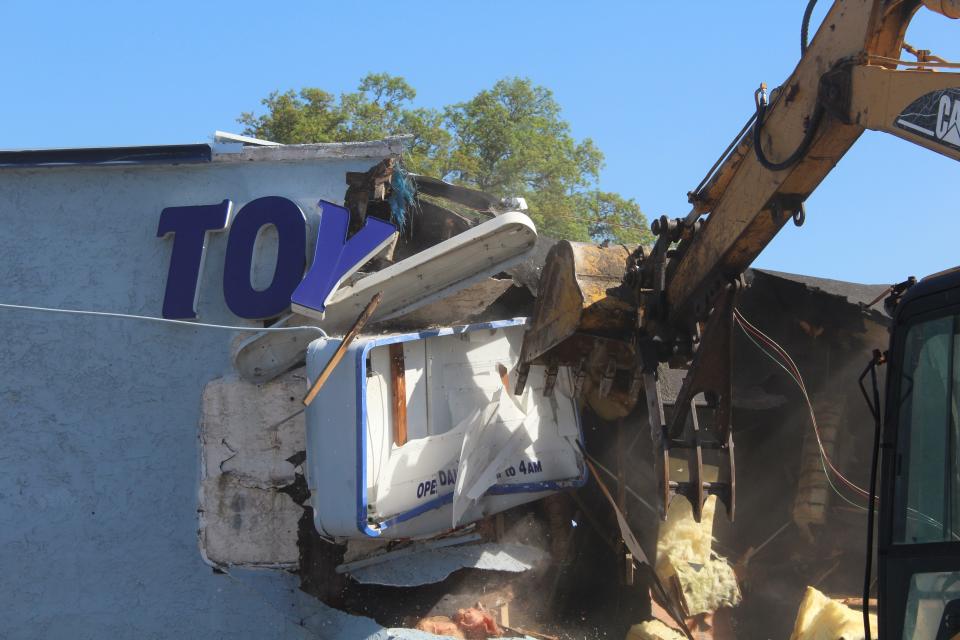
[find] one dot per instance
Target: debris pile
(471, 624)
(424, 472)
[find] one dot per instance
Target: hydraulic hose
(761, 103)
(805, 25)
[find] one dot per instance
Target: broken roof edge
(199, 153)
(373, 149)
(855, 293)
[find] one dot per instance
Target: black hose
(805, 25)
(814, 118)
(871, 505)
(804, 29)
(799, 152)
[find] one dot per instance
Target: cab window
(927, 488)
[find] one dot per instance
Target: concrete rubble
(557, 568)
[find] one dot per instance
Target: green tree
(610, 216)
(509, 140)
(382, 106)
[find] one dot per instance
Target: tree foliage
(508, 140)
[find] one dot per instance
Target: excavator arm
(619, 317)
(847, 80)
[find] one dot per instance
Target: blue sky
(660, 86)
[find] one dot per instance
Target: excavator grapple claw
(681, 438)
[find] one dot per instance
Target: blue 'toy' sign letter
(337, 257)
(238, 292)
(189, 226)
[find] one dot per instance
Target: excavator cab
(919, 528)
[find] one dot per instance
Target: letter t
(189, 226)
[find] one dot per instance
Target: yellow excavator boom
(616, 315)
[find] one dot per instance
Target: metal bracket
(658, 435)
(785, 204)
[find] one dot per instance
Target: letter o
(240, 295)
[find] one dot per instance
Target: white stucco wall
(99, 417)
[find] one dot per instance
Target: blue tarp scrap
(402, 194)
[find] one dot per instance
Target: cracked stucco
(246, 446)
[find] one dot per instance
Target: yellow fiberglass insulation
(684, 550)
(821, 618)
(653, 630)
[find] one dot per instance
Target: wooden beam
(398, 391)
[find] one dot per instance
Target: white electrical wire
(797, 377)
(128, 316)
(915, 515)
(810, 407)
